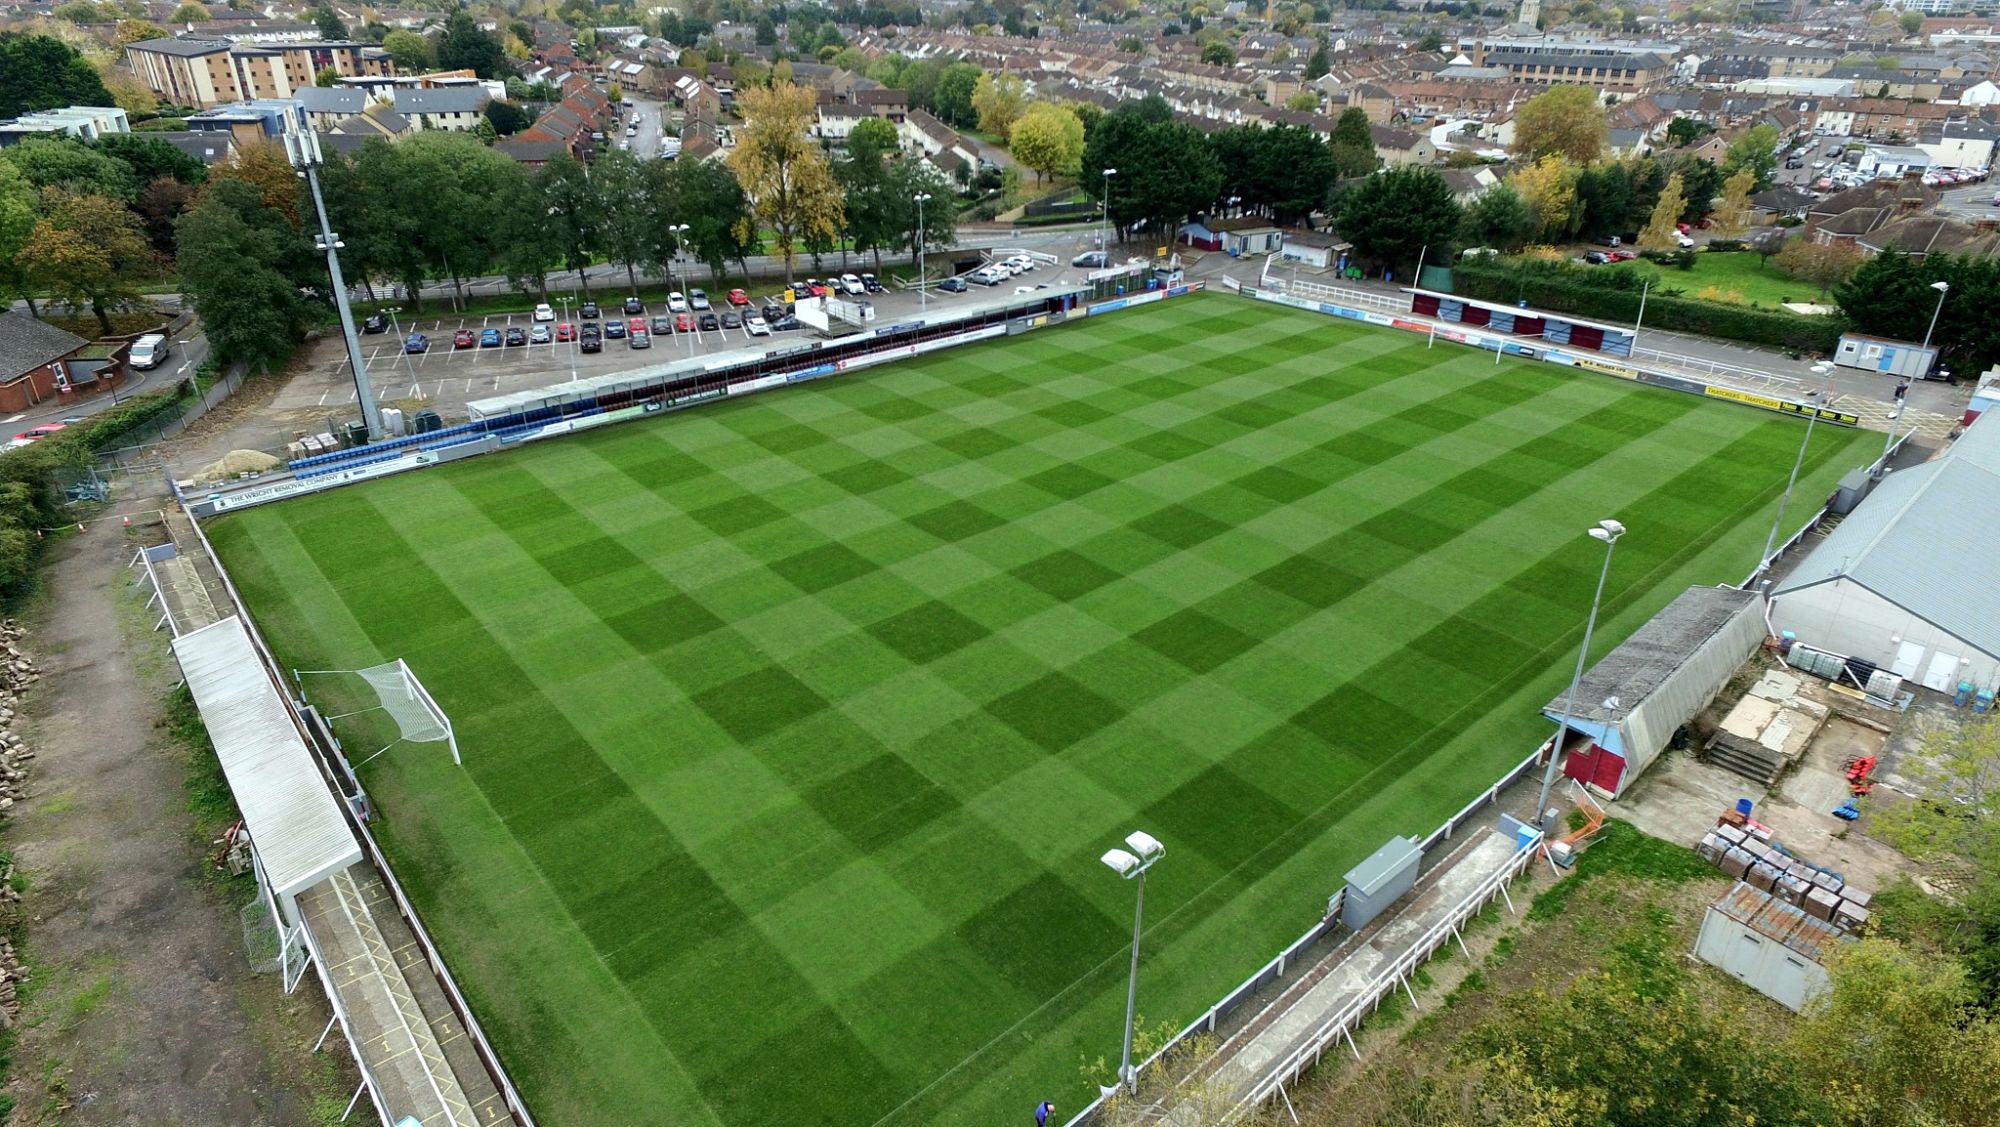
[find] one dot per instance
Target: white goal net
(417, 717)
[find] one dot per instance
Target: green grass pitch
(794, 726)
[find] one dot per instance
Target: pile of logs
(17, 672)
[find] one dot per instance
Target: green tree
(1700, 181)
(19, 211)
(1165, 169)
(89, 251)
(64, 162)
(1603, 200)
(1911, 22)
(1218, 54)
(1756, 149)
(625, 209)
(1500, 219)
(1305, 101)
(1687, 130)
(232, 255)
(1048, 139)
(875, 133)
(412, 53)
(952, 99)
(1393, 215)
(1566, 120)
(1317, 64)
(706, 196)
(1281, 171)
(41, 72)
(463, 46)
(1431, 42)
(999, 100)
(507, 118)
(331, 29)
(575, 224)
(1352, 144)
(149, 158)
(189, 13)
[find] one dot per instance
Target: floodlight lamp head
(1144, 844)
(1120, 862)
(1600, 534)
(1941, 286)
(1612, 526)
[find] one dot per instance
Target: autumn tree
(1049, 139)
(790, 185)
(88, 251)
(999, 100)
(1548, 187)
(1824, 265)
(1731, 216)
(265, 166)
(1566, 120)
(1662, 230)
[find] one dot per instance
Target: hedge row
(1582, 290)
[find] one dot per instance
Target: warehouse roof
(297, 825)
(1644, 661)
(1917, 542)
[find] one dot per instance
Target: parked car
(1023, 262)
(544, 312)
(850, 284)
(464, 338)
(952, 285)
(516, 336)
(662, 325)
(1685, 240)
(376, 323)
(731, 319)
(636, 325)
(684, 322)
(148, 352)
(756, 326)
(540, 334)
(677, 302)
(416, 342)
(565, 332)
(1608, 241)
(697, 300)
(614, 330)
(709, 323)
(639, 338)
(989, 276)
(738, 297)
(1596, 258)
(872, 284)
(783, 324)
(1091, 260)
(1621, 256)
(634, 305)
(592, 339)
(489, 338)
(589, 311)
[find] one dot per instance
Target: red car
(36, 434)
(636, 325)
(1621, 256)
(684, 322)
(738, 297)
(565, 332)
(463, 338)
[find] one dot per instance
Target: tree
(507, 118)
(234, 255)
(19, 211)
(133, 31)
(1824, 265)
(1567, 120)
(1048, 139)
(1218, 54)
(710, 200)
(128, 93)
(41, 72)
(1757, 150)
(149, 158)
(331, 29)
(625, 209)
(65, 162)
(1548, 189)
(1500, 219)
(464, 47)
(999, 100)
(1701, 181)
(1731, 216)
(1305, 101)
(1396, 215)
(786, 176)
(161, 203)
(412, 53)
(1352, 143)
(1317, 64)
(1767, 241)
(1431, 42)
(1604, 196)
(189, 13)
(1166, 169)
(1911, 22)
(89, 251)
(265, 167)
(1282, 170)
(874, 133)
(1687, 130)
(1661, 230)
(952, 100)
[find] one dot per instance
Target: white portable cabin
(1881, 354)
(1767, 944)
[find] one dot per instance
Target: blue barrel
(1743, 806)
(1964, 695)
(1983, 702)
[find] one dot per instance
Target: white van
(148, 352)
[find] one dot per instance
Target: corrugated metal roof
(1921, 541)
(1768, 916)
(1644, 661)
(295, 821)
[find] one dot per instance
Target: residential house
(1918, 235)
(457, 109)
(1399, 147)
(210, 72)
(84, 122)
(36, 360)
(1964, 143)
(1846, 216)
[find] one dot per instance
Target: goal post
(401, 694)
(423, 696)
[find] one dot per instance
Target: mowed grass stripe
(997, 485)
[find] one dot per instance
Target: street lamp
(573, 334)
(1823, 368)
(679, 232)
(1132, 865)
(302, 149)
(923, 294)
(1607, 533)
(1104, 239)
(1942, 288)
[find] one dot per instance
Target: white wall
(1847, 619)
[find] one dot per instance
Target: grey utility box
(1376, 883)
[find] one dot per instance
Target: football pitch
(794, 726)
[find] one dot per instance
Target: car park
(544, 312)
(589, 311)
(614, 330)
(464, 338)
(738, 297)
(540, 334)
(698, 300)
(677, 302)
(376, 323)
(489, 338)
(684, 322)
(709, 323)
(662, 325)
(565, 332)
(952, 285)
(634, 305)
(731, 319)
(756, 326)
(639, 338)
(416, 342)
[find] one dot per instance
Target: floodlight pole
(1943, 289)
(303, 149)
(1146, 849)
(1608, 532)
(923, 273)
(1825, 369)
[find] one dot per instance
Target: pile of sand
(235, 464)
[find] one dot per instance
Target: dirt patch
(141, 1006)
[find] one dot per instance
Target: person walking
(1043, 1111)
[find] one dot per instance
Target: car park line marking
(17, 418)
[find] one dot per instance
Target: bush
(1726, 246)
(1603, 295)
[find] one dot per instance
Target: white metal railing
(1320, 291)
(368, 1081)
(1710, 367)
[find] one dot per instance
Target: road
(649, 114)
(189, 349)
(1969, 202)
